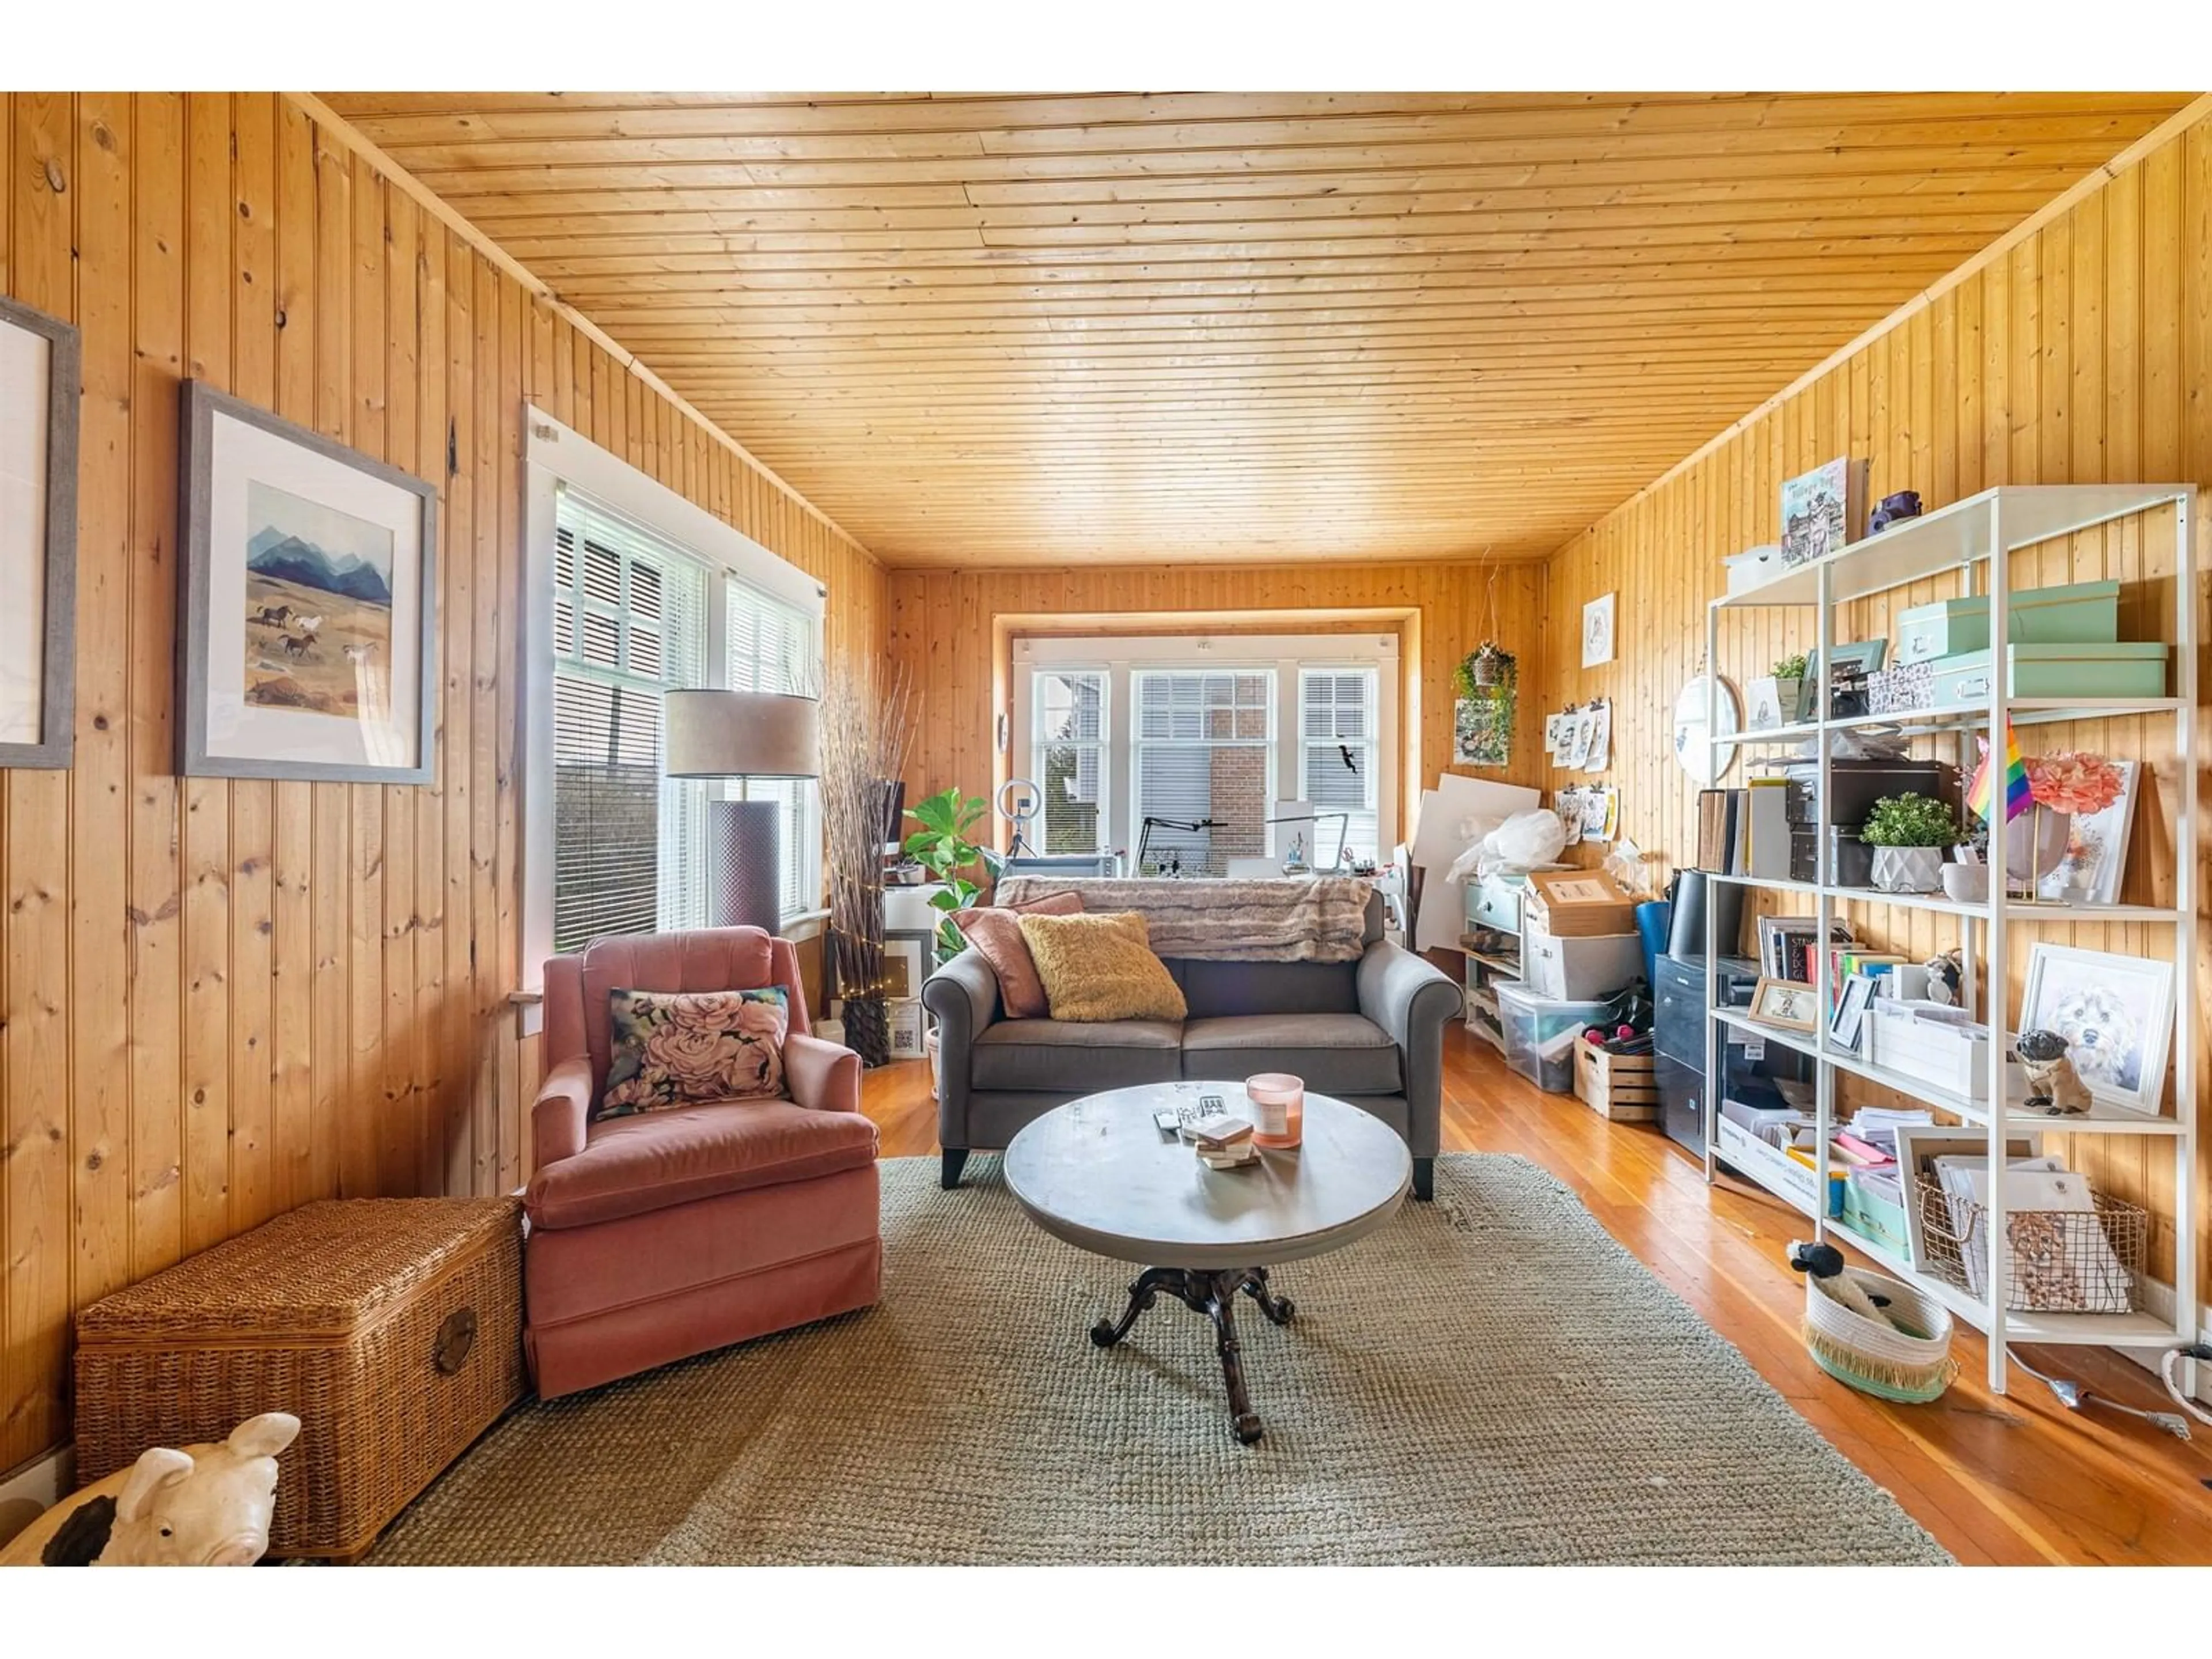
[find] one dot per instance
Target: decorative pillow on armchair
(671, 1048)
(1098, 968)
(995, 931)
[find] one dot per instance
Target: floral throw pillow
(677, 1048)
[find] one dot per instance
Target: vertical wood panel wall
(2083, 354)
(225, 998)
(942, 628)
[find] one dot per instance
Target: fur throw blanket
(1317, 919)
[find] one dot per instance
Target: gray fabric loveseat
(1369, 1031)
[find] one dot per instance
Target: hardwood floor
(2013, 1479)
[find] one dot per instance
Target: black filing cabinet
(1679, 1039)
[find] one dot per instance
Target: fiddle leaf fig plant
(944, 845)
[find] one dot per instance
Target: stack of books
(1749, 831)
(1224, 1142)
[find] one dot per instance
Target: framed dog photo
(39, 387)
(2115, 1013)
(1789, 1003)
(309, 601)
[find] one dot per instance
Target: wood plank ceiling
(1006, 329)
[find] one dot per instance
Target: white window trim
(1285, 653)
(554, 455)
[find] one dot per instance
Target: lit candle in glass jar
(1279, 1108)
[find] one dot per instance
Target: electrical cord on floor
(2169, 1372)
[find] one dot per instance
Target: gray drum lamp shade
(739, 734)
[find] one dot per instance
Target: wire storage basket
(2060, 1261)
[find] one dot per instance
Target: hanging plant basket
(1487, 680)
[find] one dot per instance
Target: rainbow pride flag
(1981, 797)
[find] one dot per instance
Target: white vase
(1908, 869)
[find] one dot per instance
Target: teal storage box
(1868, 1209)
(2081, 613)
(2055, 671)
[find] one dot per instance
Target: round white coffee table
(1098, 1173)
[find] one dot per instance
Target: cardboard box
(1579, 903)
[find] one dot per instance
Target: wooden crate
(391, 1328)
(1620, 1088)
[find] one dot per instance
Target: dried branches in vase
(865, 734)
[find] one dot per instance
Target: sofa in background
(665, 1234)
(1369, 1031)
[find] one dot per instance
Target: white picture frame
(2115, 1013)
(1765, 703)
(1597, 632)
(2095, 861)
(906, 964)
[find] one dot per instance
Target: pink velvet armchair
(665, 1234)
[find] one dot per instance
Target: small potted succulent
(1908, 834)
(1790, 684)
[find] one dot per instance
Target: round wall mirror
(1705, 765)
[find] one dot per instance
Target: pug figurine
(2054, 1087)
(1945, 975)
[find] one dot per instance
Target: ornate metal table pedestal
(1213, 1293)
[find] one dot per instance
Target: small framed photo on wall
(309, 603)
(39, 385)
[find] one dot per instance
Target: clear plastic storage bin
(1539, 1036)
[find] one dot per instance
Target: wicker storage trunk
(390, 1326)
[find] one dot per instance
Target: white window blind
(1336, 754)
(1203, 750)
(628, 624)
(1069, 759)
(771, 647)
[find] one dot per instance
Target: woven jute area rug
(1488, 1378)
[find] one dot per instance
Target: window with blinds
(1069, 759)
(1336, 756)
(1203, 750)
(629, 621)
(771, 647)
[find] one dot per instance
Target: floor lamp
(741, 734)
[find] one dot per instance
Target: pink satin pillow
(996, 934)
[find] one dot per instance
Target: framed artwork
(1791, 1004)
(1821, 510)
(39, 380)
(1597, 632)
(2115, 1013)
(907, 958)
(309, 603)
(2096, 857)
(1766, 703)
(1848, 1028)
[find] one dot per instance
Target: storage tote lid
(328, 1269)
(2123, 651)
(2020, 598)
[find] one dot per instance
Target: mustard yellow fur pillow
(1100, 968)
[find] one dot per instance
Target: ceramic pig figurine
(205, 1506)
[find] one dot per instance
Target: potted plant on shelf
(1774, 697)
(1908, 834)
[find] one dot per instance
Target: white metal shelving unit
(1975, 538)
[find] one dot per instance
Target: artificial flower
(2074, 783)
